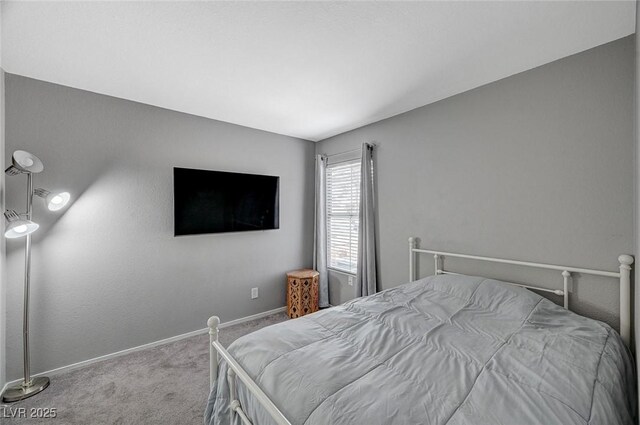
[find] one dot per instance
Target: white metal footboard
(234, 369)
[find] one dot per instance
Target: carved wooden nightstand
(302, 292)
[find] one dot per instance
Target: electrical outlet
(350, 281)
(254, 293)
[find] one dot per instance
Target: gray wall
(3, 246)
(108, 274)
(3, 256)
(538, 166)
(636, 224)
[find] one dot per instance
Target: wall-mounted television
(218, 201)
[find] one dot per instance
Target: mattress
(456, 350)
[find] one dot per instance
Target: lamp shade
(24, 162)
(54, 200)
(17, 226)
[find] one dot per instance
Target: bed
(445, 349)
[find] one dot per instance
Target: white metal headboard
(624, 275)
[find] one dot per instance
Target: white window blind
(343, 197)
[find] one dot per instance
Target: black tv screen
(217, 201)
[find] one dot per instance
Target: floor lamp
(20, 225)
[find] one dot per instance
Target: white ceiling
(305, 69)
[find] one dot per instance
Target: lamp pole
(29, 386)
(27, 284)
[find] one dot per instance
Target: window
(343, 197)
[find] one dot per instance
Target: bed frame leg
(625, 297)
(566, 275)
(413, 242)
(213, 323)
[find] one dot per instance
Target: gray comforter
(443, 350)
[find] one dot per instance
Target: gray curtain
(320, 230)
(366, 277)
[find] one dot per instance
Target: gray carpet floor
(168, 384)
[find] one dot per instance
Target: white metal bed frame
(217, 351)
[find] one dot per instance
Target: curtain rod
(351, 151)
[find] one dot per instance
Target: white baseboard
(247, 318)
(74, 366)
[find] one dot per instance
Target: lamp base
(20, 391)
